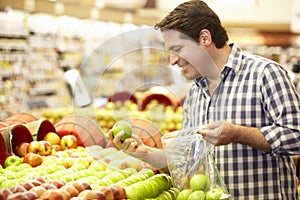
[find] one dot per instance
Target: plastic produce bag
(191, 164)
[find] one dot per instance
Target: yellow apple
(68, 142)
(52, 137)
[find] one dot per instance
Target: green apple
(184, 194)
(197, 195)
(14, 168)
(132, 193)
(9, 183)
(12, 160)
(25, 166)
(148, 172)
(122, 126)
(200, 182)
(216, 194)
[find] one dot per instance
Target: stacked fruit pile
(56, 168)
(199, 188)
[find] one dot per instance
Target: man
(246, 105)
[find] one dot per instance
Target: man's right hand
(132, 145)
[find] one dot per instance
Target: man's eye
(176, 50)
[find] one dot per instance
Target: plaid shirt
(256, 92)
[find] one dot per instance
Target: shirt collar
(233, 62)
(234, 59)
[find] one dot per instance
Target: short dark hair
(191, 17)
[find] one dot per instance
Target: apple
(36, 147)
(58, 183)
(34, 182)
(68, 142)
(41, 179)
(47, 147)
(70, 189)
(107, 191)
(122, 126)
(52, 194)
(216, 194)
(25, 166)
(14, 168)
(33, 159)
(90, 194)
(84, 161)
(77, 185)
(122, 192)
(200, 182)
(131, 193)
(56, 148)
(48, 186)
(12, 160)
(30, 195)
(27, 185)
(116, 192)
(38, 190)
(197, 195)
(53, 138)
(21, 149)
(4, 193)
(17, 188)
(184, 194)
(17, 196)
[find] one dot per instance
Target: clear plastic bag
(189, 155)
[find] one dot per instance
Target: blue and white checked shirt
(256, 92)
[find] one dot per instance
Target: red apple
(33, 159)
(17, 196)
(17, 188)
(65, 194)
(77, 185)
(21, 149)
(4, 193)
(71, 189)
(121, 190)
(48, 186)
(30, 195)
(53, 138)
(68, 142)
(86, 185)
(58, 183)
(52, 194)
(116, 192)
(48, 148)
(41, 179)
(38, 190)
(56, 148)
(35, 182)
(107, 192)
(90, 194)
(36, 147)
(27, 185)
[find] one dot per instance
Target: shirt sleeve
(280, 102)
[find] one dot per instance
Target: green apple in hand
(12, 160)
(122, 126)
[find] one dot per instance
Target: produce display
(56, 168)
(166, 117)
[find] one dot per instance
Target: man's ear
(205, 37)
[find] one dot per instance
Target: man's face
(187, 54)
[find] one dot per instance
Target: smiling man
(248, 106)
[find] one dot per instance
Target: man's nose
(173, 58)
